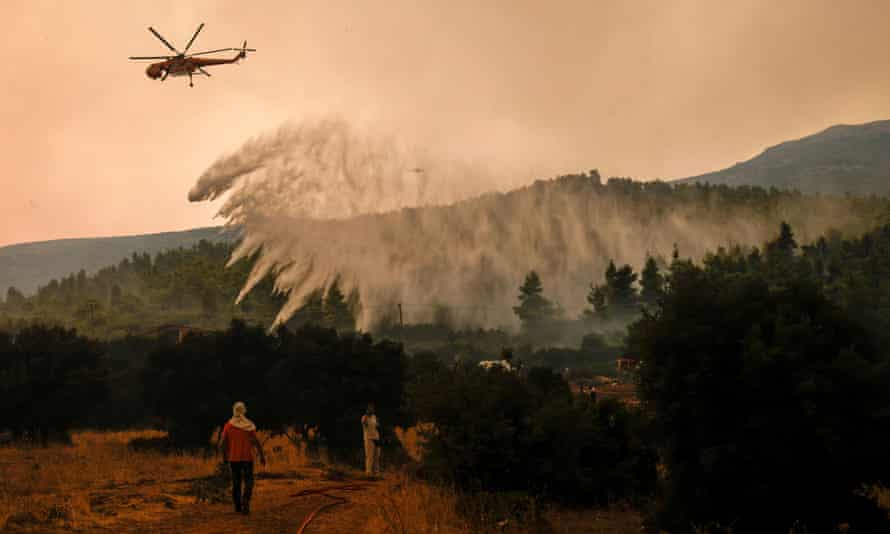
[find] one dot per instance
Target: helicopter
(185, 64)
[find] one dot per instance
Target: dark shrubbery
(497, 431)
(192, 385)
(594, 355)
(50, 380)
(325, 381)
(770, 405)
(313, 378)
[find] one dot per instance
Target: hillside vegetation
(843, 159)
(26, 266)
(192, 286)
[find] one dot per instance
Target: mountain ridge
(841, 159)
(27, 265)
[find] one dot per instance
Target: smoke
(325, 200)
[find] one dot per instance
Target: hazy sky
(661, 89)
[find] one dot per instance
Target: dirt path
(279, 505)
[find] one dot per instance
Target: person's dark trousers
(242, 472)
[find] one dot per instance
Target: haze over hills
(25, 266)
(843, 159)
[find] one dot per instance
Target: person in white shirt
(371, 433)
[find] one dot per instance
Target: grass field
(99, 484)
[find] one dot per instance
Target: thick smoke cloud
(323, 200)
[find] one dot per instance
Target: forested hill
(26, 266)
(843, 159)
(572, 226)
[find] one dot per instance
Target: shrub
(770, 406)
(496, 431)
(310, 379)
(50, 380)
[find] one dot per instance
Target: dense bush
(192, 385)
(51, 379)
(594, 354)
(325, 381)
(313, 378)
(497, 431)
(770, 405)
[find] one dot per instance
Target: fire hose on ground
(323, 491)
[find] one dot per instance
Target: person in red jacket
(237, 443)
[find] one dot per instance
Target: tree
(651, 281)
(498, 431)
(309, 379)
(783, 246)
(598, 305)
(534, 310)
(769, 404)
(616, 297)
(337, 312)
(620, 293)
(324, 381)
(192, 385)
(50, 379)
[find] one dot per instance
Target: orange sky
(644, 89)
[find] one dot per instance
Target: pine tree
(651, 281)
(784, 245)
(598, 305)
(534, 310)
(620, 293)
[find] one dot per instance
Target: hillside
(843, 159)
(28, 265)
(458, 265)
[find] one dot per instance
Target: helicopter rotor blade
(152, 57)
(212, 51)
(168, 45)
(192, 40)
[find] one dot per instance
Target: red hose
(323, 492)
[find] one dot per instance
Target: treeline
(613, 219)
(191, 287)
(181, 286)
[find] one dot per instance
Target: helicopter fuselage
(185, 66)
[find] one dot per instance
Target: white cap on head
(239, 408)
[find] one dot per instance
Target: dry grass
(412, 441)
(53, 484)
(58, 485)
(408, 506)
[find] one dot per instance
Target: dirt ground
(100, 485)
(167, 507)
